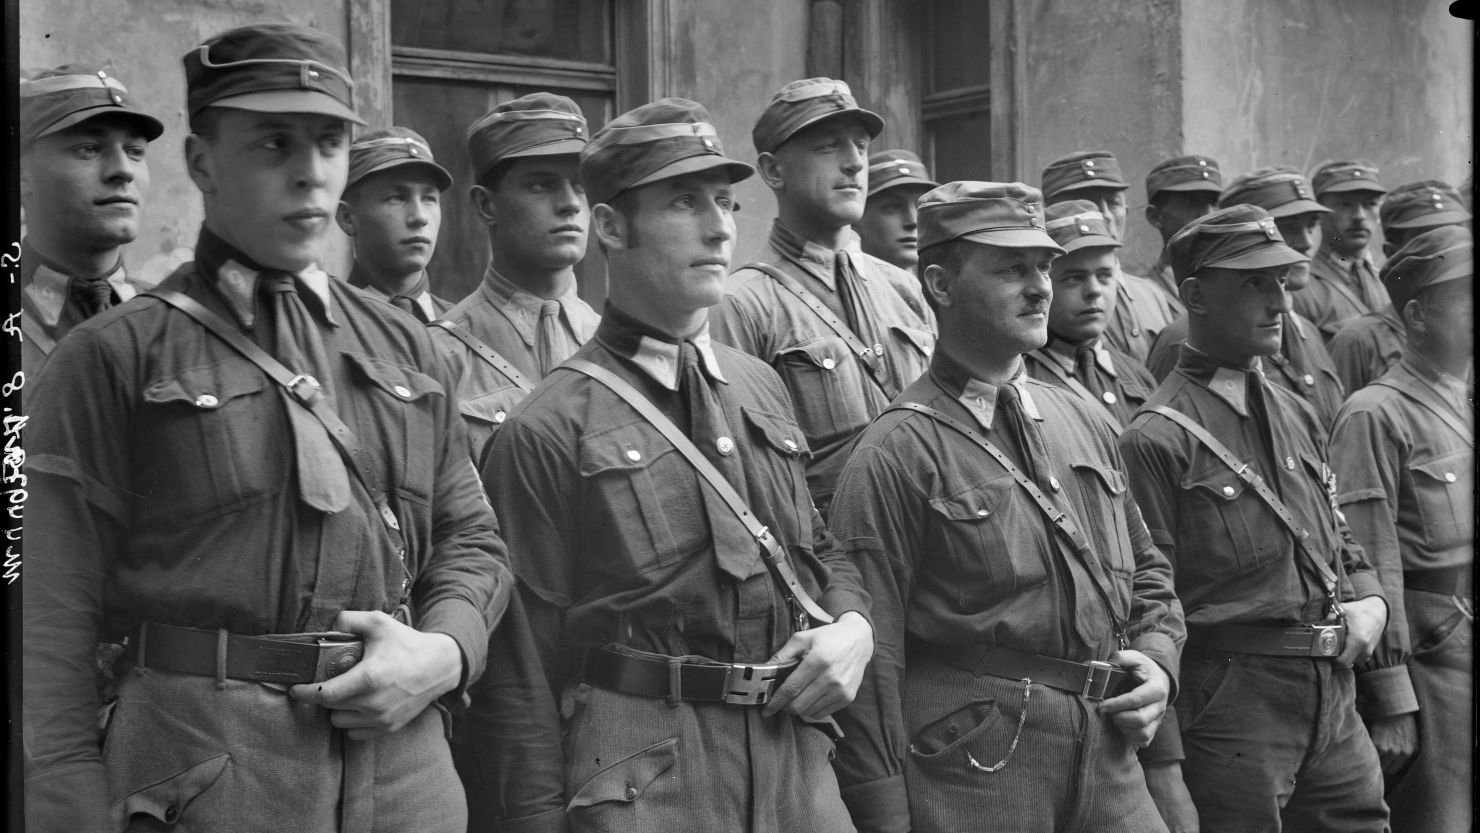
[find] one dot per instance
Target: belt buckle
(1097, 681)
(750, 685)
(336, 656)
(1325, 640)
(303, 387)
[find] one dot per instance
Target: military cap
(894, 168)
(1279, 189)
(1437, 256)
(270, 68)
(1007, 214)
(1349, 175)
(393, 147)
(1078, 224)
(659, 140)
(1079, 171)
(538, 124)
(1185, 173)
(802, 104)
(1422, 205)
(1235, 237)
(59, 98)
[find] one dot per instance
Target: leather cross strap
(771, 552)
(1417, 394)
(1062, 520)
(1077, 386)
(865, 354)
(484, 352)
(1247, 474)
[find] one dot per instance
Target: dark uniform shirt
(1122, 382)
(1340, 289)
(1142, 309)
(612, 535)
(162, 485)
(954, 552)
(835, 396)
(1407, 487)
(1365, 348)
(50, 309)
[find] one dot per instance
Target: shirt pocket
(642, 497)
(1102, 494)
(486, 412)
(207, 442)
(993, 541)
(1444, 492)
(399, 407)
(1224, 529)
(827, 384)
(919, 344)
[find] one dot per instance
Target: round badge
(725, 445)
(878, 349)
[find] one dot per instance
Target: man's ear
(200, 163)
(345, 218)
(483, 205)
(936, 282)
(1191, 292)
(770, 170)
(1413, 317)
(609, 226)
(1153, 216)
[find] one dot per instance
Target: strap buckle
(1097, 681)
(336, 656)
(750, 685)
(1325, 640)
(304, 388)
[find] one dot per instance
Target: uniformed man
(889, 228)
(1026, 627)
(839, 326)
(661, 620)
(1404, 453)
(1365, 348)
(1231, 475)
(83, 179)
(1344, 282)
(1084, 279)
(525, 317)
(392, 211)
(1302, 364)
(1142, 309)
(255, 475)
(1179, 191)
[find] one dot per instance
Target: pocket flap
(827, 352)
(627, 779)
(627, 447)
(780, 433)
(208, 387)
(166, 800)
(493, 407)
(1219, 483)
(1447, 469)
(1112, 480)
(976, 503)
(955, 729)
(400, 382)
(923, 340)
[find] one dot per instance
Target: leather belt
(288, 658)
(684, 678)
(1320, 641)
(1094, 680)
(1458, 580)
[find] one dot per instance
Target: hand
(833, 658)
(1138, 712)
(1164, 782)
(1396, 739)
(402, 672)
(1365, 619)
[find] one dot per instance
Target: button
(878, 349)
(1309, 380)
(828, 364)
(1357, 174)
(725, 445)
(412, 150)
(402, 391)
(1109, 397)
(982, 513)
(904, 171)
(1089, 173)
(630, 793)
(172, 813)
(1449, 477)
(1053, 483)
(1136, 331)
(1089, 163)
(1228, 491)
(791, 445)
(981, 402)
(1203, 162)
(1290, 463)
(1438, 204)
(1084, 229)
(1229, 386)
(499, 417)
(206, 400)
(634, 455)
(1205, 174)
(313, 73)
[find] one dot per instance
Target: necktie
(548, 339)
(1088, 371)
(846, 279)
(1035, 463)
(737, 552)
(323, 482)
(93, 295)
(407, 302)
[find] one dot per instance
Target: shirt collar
(1231, 384)
(48, 287)
(1293, 324)
(1066, 354)
(520, 306)
(1452, 388)
(235, 277)
(655, 353)
(979, 398)
(819, 261)
(1343, 264)
(359, 280)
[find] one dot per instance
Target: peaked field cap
(894, 168)
(1422, 205)
(1236, 237)
(390, 148)
(1279, 189)
(271, 68)
(58, 98)
(660, 140)
(803, 103)
(1081, 170)
(1185, 173)
(1331, 177)
(538, 124)
(1007, 214)
(1078, 224)
(1437, 256)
